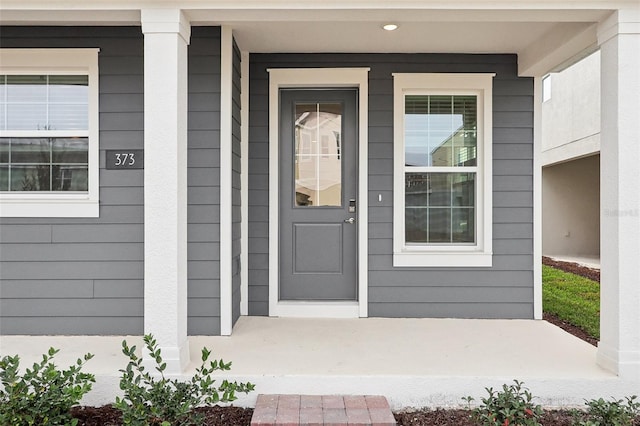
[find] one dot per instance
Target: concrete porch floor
(413, 362)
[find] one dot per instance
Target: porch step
(336, 410)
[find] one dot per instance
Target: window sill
(443, 259)
(49, 207)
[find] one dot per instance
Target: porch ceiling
(533, 30)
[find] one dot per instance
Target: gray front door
(318, 138)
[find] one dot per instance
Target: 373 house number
(125, 159)
(130, 159)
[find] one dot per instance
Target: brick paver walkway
(335, 410)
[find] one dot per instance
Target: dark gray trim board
(236, 186)
(502, 291)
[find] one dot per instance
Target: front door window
(318, 166)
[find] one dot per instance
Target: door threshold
(316, 309)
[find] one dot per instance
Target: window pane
(5, 145)
(416, 129)
(4, 177)
(440, 207)
(27, 88)
(68, 100)
(465, 138)
(463, 189)
(440, 130)
(3, 87)
(417, 189)
(68, 89)
(24, 150)
(30, 177)
(68, 117)
(318, 165)
(3, 102)
(440, 189)
(416, 224)
(71, 150)
(41, 102)
(439, 225)
(546, 88)
(3, 115)
(27, 117)
(462, 225)
(70, 178)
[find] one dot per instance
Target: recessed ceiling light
(390, 27)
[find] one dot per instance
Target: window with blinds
(44, 123)
(442, 170)
(49, 133)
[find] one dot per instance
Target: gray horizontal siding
(503, 291)
(101, 307)
(71, 289)
(89, 325)
(71, 252)
(203, 177)
(84, 275)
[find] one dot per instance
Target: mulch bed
(442, 417)
(214, 416)
(237, 416)
(574, 268)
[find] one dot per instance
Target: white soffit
(411, 37)
(429, 26)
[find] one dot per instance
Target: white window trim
(51, 62)
(463, 255)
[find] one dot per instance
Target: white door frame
(317, 78)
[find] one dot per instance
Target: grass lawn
(572, 298)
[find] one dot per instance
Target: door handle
(350, 220)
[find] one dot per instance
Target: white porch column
(619, 40)
(166, 36)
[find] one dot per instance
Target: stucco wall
(571, 208)
(571, 117)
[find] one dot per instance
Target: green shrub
(512, 406)
(608, 413)
(156, 400)
(43, 395)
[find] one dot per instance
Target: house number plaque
(125, 159)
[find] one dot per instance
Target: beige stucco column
(619, 40)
